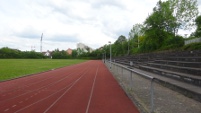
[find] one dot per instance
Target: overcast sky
(64, 23)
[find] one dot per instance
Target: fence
(116, 67)
(150, 96)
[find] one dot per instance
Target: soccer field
(13, 68)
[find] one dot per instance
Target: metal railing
(115, 67)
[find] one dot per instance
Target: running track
(83, 88)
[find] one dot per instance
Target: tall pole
(105, 55)
(110, 54)
(41, 43)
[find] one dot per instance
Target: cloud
(28, 32)
(64, 23)
(64, 38)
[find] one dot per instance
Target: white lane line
(92, 90)
(68, 75)
(63, 94)
(49, 95)
(39, 88)
(14, 106)
(6, 110)
(20, 102)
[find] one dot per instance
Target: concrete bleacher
(181, 70)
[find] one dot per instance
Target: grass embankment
(13, 68)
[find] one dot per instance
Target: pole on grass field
(41, 43)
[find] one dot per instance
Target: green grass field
(12, 68)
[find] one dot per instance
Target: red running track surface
(83, 88)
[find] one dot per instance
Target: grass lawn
(12, 68)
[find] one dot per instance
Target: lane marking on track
(92, 90)
(33, 77)
(20, 102)
(63, 94)
(73, 83)
(14, 106)
(6, 110)
(39, 88)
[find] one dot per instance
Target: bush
(192, 46)
(173, 42)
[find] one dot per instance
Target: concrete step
(187, 70)
(188, 78)
(186, 89)
(179, 63)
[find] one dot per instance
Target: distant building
(69, 51)
(82, 48)
(48, 53)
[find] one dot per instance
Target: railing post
(122, 72)
(131, 82)
(152, 96)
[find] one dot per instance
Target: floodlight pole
(41, 43)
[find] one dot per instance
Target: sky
(64, 23)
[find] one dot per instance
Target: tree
(185, 12)
(158, 26)
(74, 53)
(198, 29)
(118, 46)
(133, 36)
(60, 54)
(120, 40)
(137, 30)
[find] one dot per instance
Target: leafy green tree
(120, 40)
(185, 12)
(118, 48)
(158, 27)
(56, 54)
(74, 53)
(133, 36)
(198, 29)
(6, 52)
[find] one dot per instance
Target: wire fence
(150, 96)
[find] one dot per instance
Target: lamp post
(110, 54)
(104, 55)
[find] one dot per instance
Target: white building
(83, 48)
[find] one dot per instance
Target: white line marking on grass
(92, 90)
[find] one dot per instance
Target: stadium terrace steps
(179, 69)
